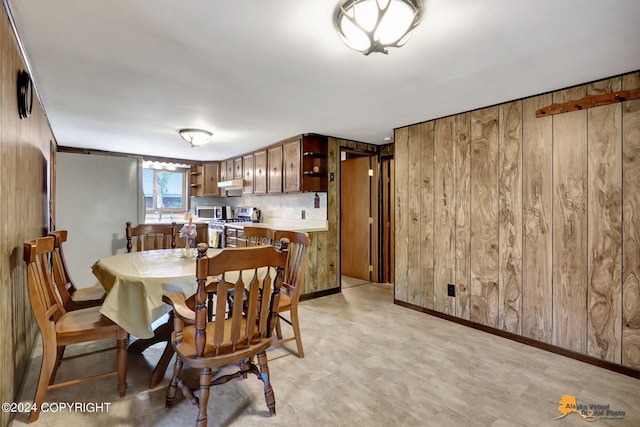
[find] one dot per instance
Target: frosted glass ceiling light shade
(374, 25)
(195, 137)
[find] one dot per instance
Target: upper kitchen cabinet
(305, 164)
(274, 184)
(196, 181)
(291, 165)
(260, 172)
(247, 165)
(211, 174)
(229, 170)
(237, 168)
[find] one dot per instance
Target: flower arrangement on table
(188, 233)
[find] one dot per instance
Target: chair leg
(269, 397)
(278, 328)
(296, 330)
(59, 356)
(122, 362)
(203, 398)
(49, 353)
(173, 384)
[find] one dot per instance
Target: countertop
(306, 225)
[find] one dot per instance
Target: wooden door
(247, 165)
(275, 169)
(237, 168)
(356, 217)
(291, 166)
(260, 172)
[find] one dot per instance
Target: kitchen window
(165, 187)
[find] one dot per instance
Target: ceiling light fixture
(195, 137)
(374, 25)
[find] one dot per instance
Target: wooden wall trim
(635, 373)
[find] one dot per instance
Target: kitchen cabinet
(235, 238)
(237, 168)
(305, 164)
(274, 184)
(247, 179)
(229, 169)
(196, 181)
(291, 165)
(210, 173)
(260, 172)
(223, 177)
(314, 163)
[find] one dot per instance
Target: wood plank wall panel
(510, 216)
(537, 209)
(413, 224)
(444, 214)
(570, 224)
(631, 226)
(463, 215)
(332, 255)
(401, 160)
(24, 155)
(566, 186)
(484, 216)
(322, 266)
(311, 273)
(605, 225)
(426, 214)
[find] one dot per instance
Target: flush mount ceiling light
(374, 25)
(195, 137)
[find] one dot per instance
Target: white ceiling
(126, 75)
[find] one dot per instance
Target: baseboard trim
(319, 294)
(635, 373)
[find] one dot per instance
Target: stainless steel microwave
(205, 212)
(214, 212)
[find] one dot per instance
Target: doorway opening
(359, 217)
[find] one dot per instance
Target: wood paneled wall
(535, 220)
(24, 154)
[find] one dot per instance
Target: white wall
(95, 196)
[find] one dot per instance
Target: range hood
(234, 184)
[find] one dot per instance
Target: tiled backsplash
(281, 206)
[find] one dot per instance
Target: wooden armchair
(72, 298)
(60, 328)
(292, 285)
(229, 338)
(151, 236)
(259, 236)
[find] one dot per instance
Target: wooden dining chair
(233, 339)
(259, 236)
(151, 236)
(60, 328)
(292, 285)
(201, 230)
(73, 298)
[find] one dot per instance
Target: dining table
(135, 283)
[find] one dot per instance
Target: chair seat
(86, 294)
(79, 322)
(226, 353)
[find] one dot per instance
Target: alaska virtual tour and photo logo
(589, 412)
